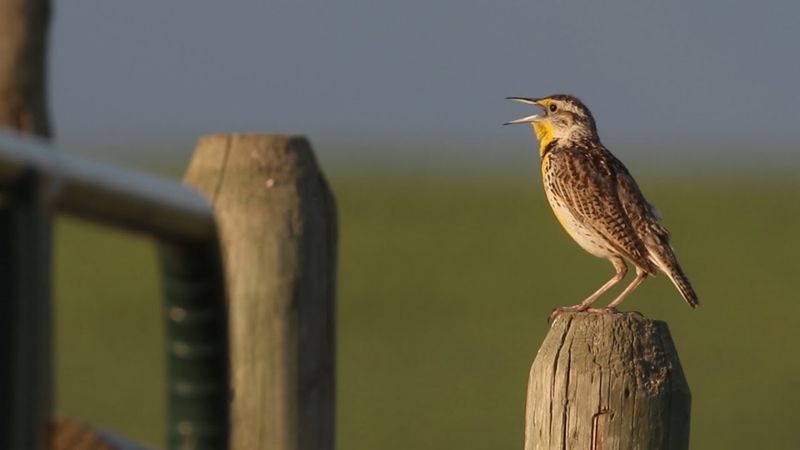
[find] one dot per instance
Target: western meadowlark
(597, 201)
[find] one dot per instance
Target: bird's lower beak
(528, 119)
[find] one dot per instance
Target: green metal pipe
(197, 350)
(25, 319)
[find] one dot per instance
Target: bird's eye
(553, 107)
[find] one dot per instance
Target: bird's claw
(604, 310)
(577, 308)
(562, 309)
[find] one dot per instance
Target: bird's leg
(641, 275)
(621, 270)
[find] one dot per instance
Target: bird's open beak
(527, 119)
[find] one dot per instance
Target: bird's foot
(604, 310)
(579, 308)
(562, 309)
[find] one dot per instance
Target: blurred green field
(445, 284)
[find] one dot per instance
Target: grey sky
(423, 68)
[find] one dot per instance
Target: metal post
(25, 318)
(197, 346)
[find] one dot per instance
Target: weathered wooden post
(607, 381)
(277, 219)
(24, 33)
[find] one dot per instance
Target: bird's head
(565, 119)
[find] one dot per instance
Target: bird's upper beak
(526, 119)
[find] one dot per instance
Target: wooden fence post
(277, 220)
(607, 381)
(24, 33)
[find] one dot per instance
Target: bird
(598, 202)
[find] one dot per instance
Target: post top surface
(605, 318)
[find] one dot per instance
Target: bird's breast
(585, 236)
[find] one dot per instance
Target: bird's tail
(665, 259)
(681, 282)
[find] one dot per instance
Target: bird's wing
(588, 185)
(644, 217)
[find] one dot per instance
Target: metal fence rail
(37, 182)
(105, 193)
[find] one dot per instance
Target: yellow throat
(544, 132)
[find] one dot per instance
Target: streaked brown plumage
(598, 202)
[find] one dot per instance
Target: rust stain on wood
(69, 434)
(598, 427)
